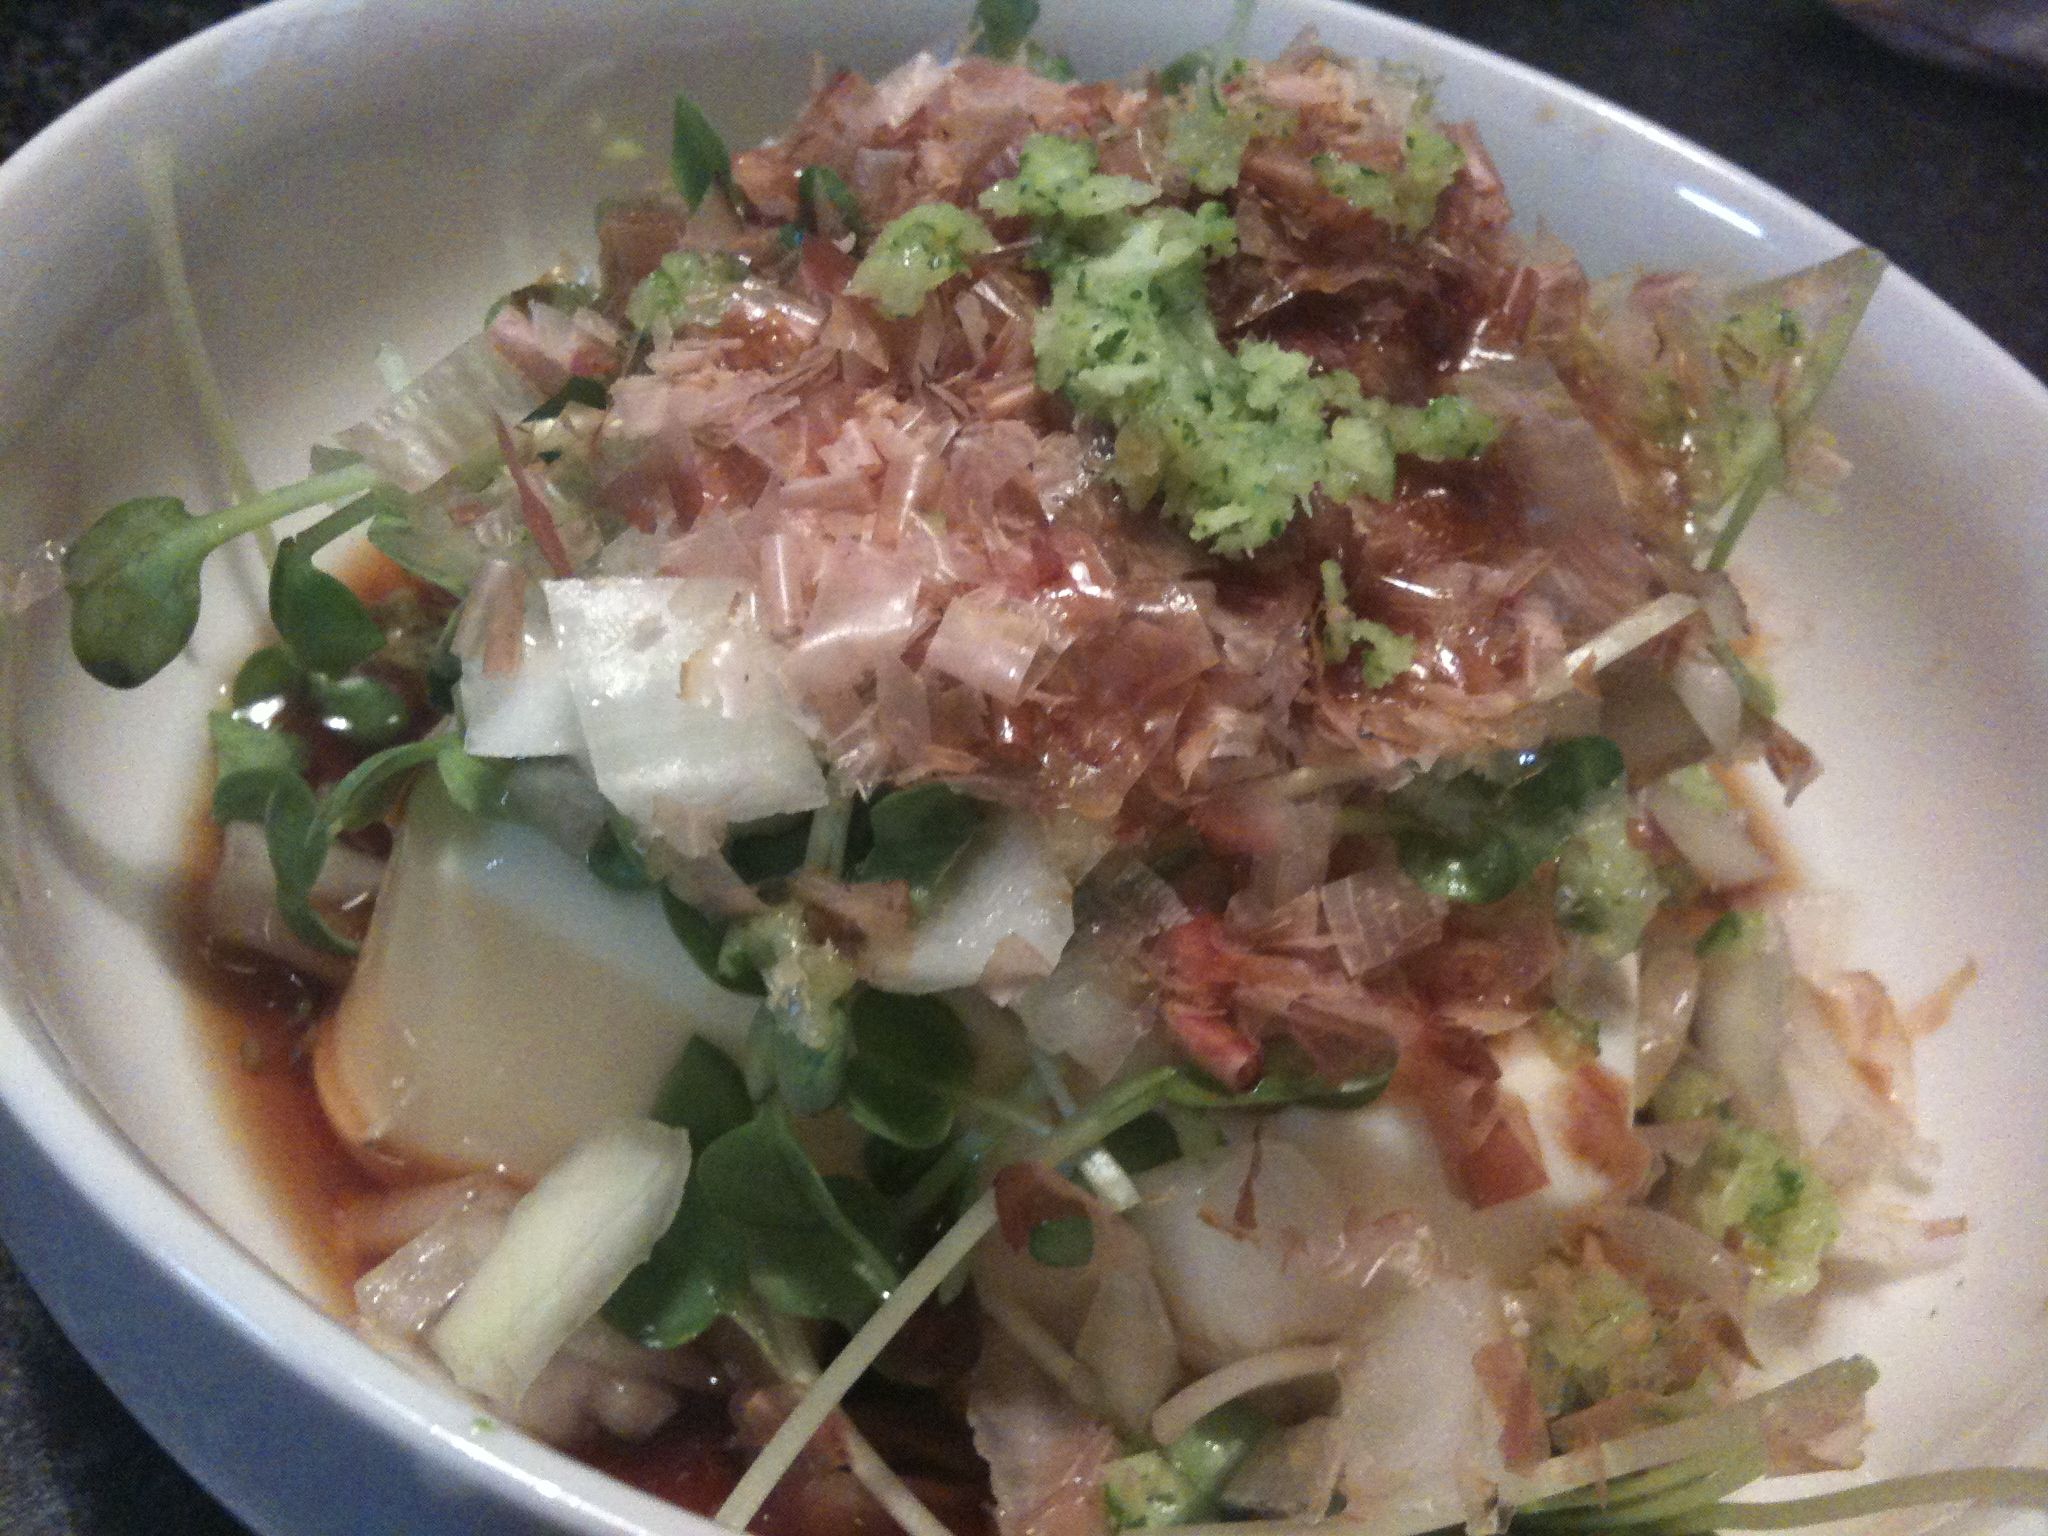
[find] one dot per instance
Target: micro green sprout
(133, 577)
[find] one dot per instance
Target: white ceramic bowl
(360, 173)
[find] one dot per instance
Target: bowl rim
(171, 1237)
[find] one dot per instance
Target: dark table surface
(1947, 174)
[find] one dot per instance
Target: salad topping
(1171, 675)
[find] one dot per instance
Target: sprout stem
(1113, 1110)
(260, 511)
(2014, 1487)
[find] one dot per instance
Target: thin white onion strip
(1628, 633)
(890, 1491)
(1850, 1377)
(1117, 1109)
(852, 1362)
(567, 1246)
(1734, 1430)
(1045, 1352)
(2005, 1487)
(1179, 1413)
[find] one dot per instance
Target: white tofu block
(506, 1003)
(1383, 1159)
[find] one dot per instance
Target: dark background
(1946, 174)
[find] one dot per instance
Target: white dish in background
(356, 174)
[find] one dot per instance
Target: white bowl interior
(357, 175)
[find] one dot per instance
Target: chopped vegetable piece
(1405, 198)
(1232, 443)
(1183, 1483)
(1750, 1191)
(1476, 836)
(1001, 26)
(916, 835)
(688, 288)
(819, 187)
(803, 1024)
(133, 576)
(569, 1242)
(911, 1061)
(697, 155)
(1207, 133)
(1387, 654)
(1607, 888)
(915, 253)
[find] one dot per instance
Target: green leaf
(270, 677)
(696, 1274)
(871, 1215)
(297, 839)
(697, 155)
(134, 590)
(1063, 1242)
(805, 1256)
(444, 667)
(1000, 26)
(577, 391)
(248, 761)
(1044, 62)
(705, 1093)
(893, 1168)
(1476, 837)
(1148, 1142)
(917, 834)
(1182, 71)
(704, 938)
(819, 187)
(615, 859)
(133, 577)
(770, 849)
(911, 1058)
(373, 786)
(359, 709)
(325, 625)
(476, 784)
